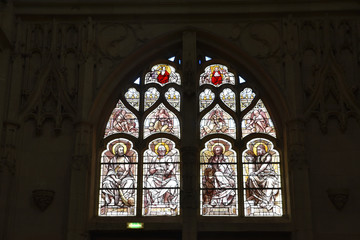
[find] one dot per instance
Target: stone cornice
(156, 8)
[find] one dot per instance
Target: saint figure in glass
(217, 75)
(118, 179)
(217, 121)
(161, 179)
(162, 74)
(218, 179)
(258, 120)
(262, 179)
(161, 120)
(122, 120)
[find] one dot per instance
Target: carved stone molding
(43, 198)
(82, 151)
(8, 147)
(297, 154)
(50, 100)
(331, 97)
(338, 197)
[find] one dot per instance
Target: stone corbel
(338, 197)
(43, 198)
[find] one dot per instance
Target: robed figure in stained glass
(162, 122)
(263, 182)
(218, 179)
(220, 176)
(118, 185)
(163, 76)
(161, 181)
(216, 77)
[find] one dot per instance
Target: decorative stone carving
(43, 198)
(82, 153)
(118, 40)
(8, 147)
(260, 39)
(331, 97)
(338, 197)
(297, 156)
(51, 100)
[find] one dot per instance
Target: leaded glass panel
(206, 98)
(218, 179)
(246, 98)
(118, 179)
(173, 97)
(122, 120)
(258, 120)
(217, 75)
(228, 97)
(161, 120)
(151, 96)
(217, 121)
(161, 184)
(132, 96)
(262, 181)
(162, 74)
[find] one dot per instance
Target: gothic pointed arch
(238, 89)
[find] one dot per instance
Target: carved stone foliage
(331, 97)
(118, 40)
(50, 100)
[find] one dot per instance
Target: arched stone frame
(250, 69)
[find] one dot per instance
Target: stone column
(80, 165)
(10, 84)
(299, 182)
(189, 197)
(298, 167)
(79, 197)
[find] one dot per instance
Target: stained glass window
(160, 170)
(261, 178)
(246, 97)
(206, 98)
(161, 179)
(151, 96)
(122, 120)
(218, 178)
(217, 75)
(228, 97)
(162, 74)
(132, 96)
(258, 120)
(118, 179)
(140, 171)
(161, 120)
(173, 97)
(217, 121)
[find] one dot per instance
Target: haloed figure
(263, 181)
(221, 177)
(118, 185)
(161, 180)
